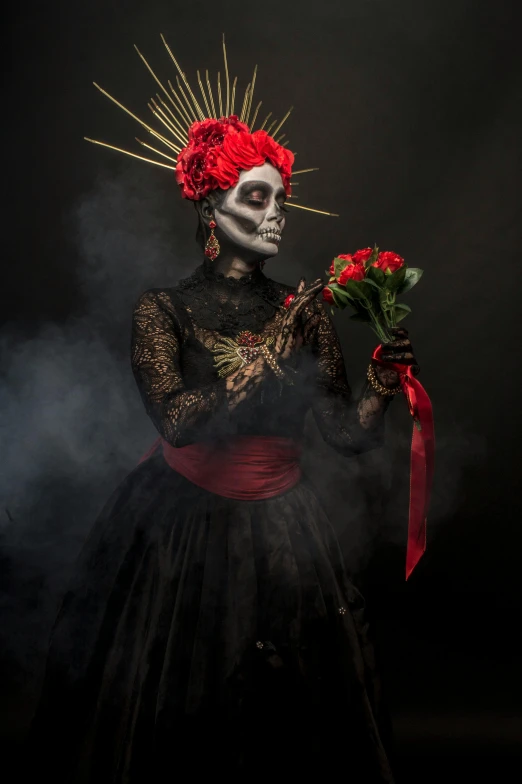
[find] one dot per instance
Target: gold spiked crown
(181, 116)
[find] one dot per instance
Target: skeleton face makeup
(251, 214)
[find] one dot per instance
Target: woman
(211, 626)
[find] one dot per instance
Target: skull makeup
(251, 214)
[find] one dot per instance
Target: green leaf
(413, 275)
(340, 291)
(358, 289)
(375, 275)
(339, 265)
(396, 279)
(375, 252)
(339, 302)
(371, 282)
(400, 311)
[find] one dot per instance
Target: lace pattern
(174, 331)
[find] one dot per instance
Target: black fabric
(202, 635)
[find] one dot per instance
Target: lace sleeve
(181, 415)
(349, 426)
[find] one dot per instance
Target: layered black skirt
(208, 636)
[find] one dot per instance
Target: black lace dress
(203, 635)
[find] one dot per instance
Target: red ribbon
(422, 457)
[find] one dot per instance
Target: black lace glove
(290, 336)
(399, 350)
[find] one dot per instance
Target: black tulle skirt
(207, 636)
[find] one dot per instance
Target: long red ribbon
(422, 458)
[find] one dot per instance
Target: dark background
(412, 111)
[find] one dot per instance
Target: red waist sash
(246, 468)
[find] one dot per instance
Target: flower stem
(381, 332)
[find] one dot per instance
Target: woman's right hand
(289, 337)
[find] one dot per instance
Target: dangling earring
(212, 245)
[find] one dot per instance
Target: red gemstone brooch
(230, 354)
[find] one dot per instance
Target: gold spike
(197, 108)
(182, 132)
(285, 144)
(126, 152)
(191, 110)
(292, 182)
(292, 196)
(204, 96)
(182, 111)
(254, 118)
(280, 139)
(187, 85)
(157, 108)
(211, 96)
(311, 209)
(232, 100)
(155, 150)
(269, 129)
(165, 141)
(226, 76)
(155, 77)
(219, 95)
(162, 117)
(249, 107)
(304, 171)
(285, 118)
(265, 121)
(245, 103)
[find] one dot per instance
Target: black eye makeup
(257, 193)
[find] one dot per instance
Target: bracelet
(374, 382)
(272, 364)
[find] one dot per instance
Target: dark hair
(215, 198)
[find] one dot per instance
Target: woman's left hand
(399, 350)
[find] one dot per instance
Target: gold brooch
(230, 355)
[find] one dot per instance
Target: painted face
(251, 214)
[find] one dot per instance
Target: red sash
(245, 468)
(421, 458)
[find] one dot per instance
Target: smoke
(72, 424)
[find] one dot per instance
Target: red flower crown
(218, 150)
(206, 154)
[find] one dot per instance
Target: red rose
(240, 150)
(277, 155)
(213, 132)
(327, 295)
(362, 255)
(191, 172)
(345, 256)
(388, 260)
(218, 150)
(352, 272)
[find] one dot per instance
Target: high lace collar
(227, 304)
(254, 278)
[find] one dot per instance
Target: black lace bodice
(174, 332)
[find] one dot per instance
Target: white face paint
(251, 214)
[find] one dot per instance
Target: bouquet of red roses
(369, 281)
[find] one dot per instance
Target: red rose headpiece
(208, 147)
(218, 150)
